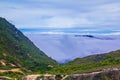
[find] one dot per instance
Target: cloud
(103, 14)
(70, 46)
(71, 31)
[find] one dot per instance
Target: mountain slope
(16, 50)
(96, 58)
(90, 63)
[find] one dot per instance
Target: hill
(96, 58)
(17, 51)
(90, 63)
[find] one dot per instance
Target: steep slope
(16, 50)
(90, 63)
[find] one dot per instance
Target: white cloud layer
(68, 47)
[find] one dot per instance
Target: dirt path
(16, 70)
(30, 77)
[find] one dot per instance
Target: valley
(20, 59)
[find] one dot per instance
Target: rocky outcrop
(30, 77)
(5, 78)
(45, 77)
(106, 74)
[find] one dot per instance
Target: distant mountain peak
(90, 36)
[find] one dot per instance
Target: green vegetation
(89, 64)
(17, 51)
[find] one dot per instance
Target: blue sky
(63, 16)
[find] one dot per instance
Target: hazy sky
(63, 16)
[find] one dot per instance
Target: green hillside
(90, 63)
(17, 51)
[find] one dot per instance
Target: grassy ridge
(89, 64)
